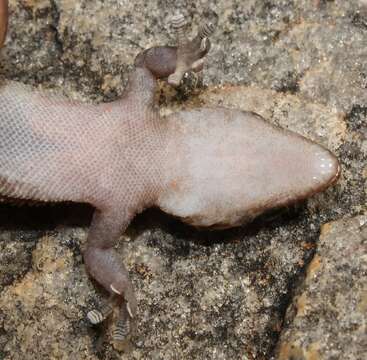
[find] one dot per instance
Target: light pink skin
(210, 167)
(225, 167)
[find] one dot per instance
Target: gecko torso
(54, 149)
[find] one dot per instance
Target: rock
(312, 120)
(38, 312)
(214, 295)
(328, 315)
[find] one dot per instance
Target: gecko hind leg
(104, 264)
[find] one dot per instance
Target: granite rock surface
(202, 295)
(327, 319)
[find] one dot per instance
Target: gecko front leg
(172, 62)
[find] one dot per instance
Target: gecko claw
(115, 290)
(129, 310)
(129, 298)
(204, 44)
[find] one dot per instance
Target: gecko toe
(123, 326)
(122, 330)
(96, 316)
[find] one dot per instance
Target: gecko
(211, 167)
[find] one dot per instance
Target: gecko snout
(325, 168)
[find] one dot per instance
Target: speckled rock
(328, 316)
(202, 295)
(324, 125)
(40, 313)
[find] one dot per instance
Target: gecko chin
(246, 167)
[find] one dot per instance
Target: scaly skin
(211, 167)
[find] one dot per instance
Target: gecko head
(246, 167)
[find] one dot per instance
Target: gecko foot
(105, 267)
(190, 53)
(124, 321)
